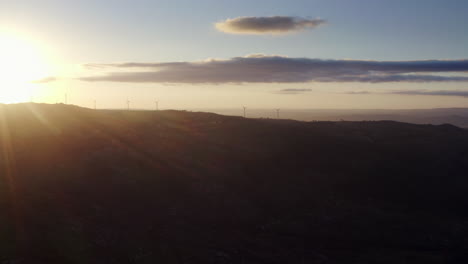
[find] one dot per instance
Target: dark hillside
(86, 186)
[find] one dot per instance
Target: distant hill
(436, 116)
(86, 186)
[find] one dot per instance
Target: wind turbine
(128, 104)
(157, 105)
(94, 104)
(277, 113)
(244, 111)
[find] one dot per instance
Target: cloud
(458, 93)
(45, 80)
(267, 25)
(294, 90)
(358, 92)
(433, 93)
(278, 69)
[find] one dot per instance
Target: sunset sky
(228, 54)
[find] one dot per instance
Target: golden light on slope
(21, 63)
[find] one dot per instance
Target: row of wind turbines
(156, 103)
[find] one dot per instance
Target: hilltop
(114, 186)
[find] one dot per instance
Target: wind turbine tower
(244, 111)
(277, 113)
(128, 104)
(157, 105)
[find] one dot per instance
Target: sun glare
(21, 63)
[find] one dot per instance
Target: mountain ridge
(82, 185)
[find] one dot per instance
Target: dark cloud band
(278, 69)
(267, 25)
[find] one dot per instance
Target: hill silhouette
(85, 186)
(437, 116)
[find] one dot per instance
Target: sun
(21, 63)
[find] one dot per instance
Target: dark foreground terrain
(86, 186)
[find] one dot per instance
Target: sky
(228, 54)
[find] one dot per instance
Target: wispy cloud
(279, 69)
(358, 92)
(46, 80)
(294, 91)
(433, 93)
(267, 25)
(459, 93)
